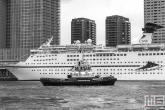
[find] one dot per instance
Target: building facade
(2, 24)
(83, 29)
(29, 23)
(154, 12)
(26, 24)
(118, 29)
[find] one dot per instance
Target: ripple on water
(122, 96)
(32, 101)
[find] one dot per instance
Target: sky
(98, 10)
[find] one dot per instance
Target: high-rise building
(154, 12)
(29, 23)
(117, 30)
(2, 24)
(26, 24)
(83, 29)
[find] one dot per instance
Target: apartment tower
(154, 12)
(117, 30)
(29, 23)
(83, 29)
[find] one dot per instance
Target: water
(125, 95)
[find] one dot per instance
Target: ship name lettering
(144, 40)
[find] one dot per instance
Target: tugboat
(81, 75)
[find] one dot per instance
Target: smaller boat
(81, 75)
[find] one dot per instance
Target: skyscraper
(117, 30)
(29, 23)
(2, 23)
(83, 29)
(26, 24)
(154, 12)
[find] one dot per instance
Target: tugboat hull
(77, 82)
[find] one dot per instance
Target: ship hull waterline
(52, 82)
(24, 74)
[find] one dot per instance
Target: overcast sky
(98, 10)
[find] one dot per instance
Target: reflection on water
(26, 95)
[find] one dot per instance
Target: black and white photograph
(82, 54)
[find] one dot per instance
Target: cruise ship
(143, 61)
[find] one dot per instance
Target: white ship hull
(123, 66)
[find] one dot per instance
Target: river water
(124, 95)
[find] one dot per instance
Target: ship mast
(82, 51)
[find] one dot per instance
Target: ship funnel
(151, 27)
(148, 33)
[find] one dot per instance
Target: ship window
(157, 53)
(150, 54)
